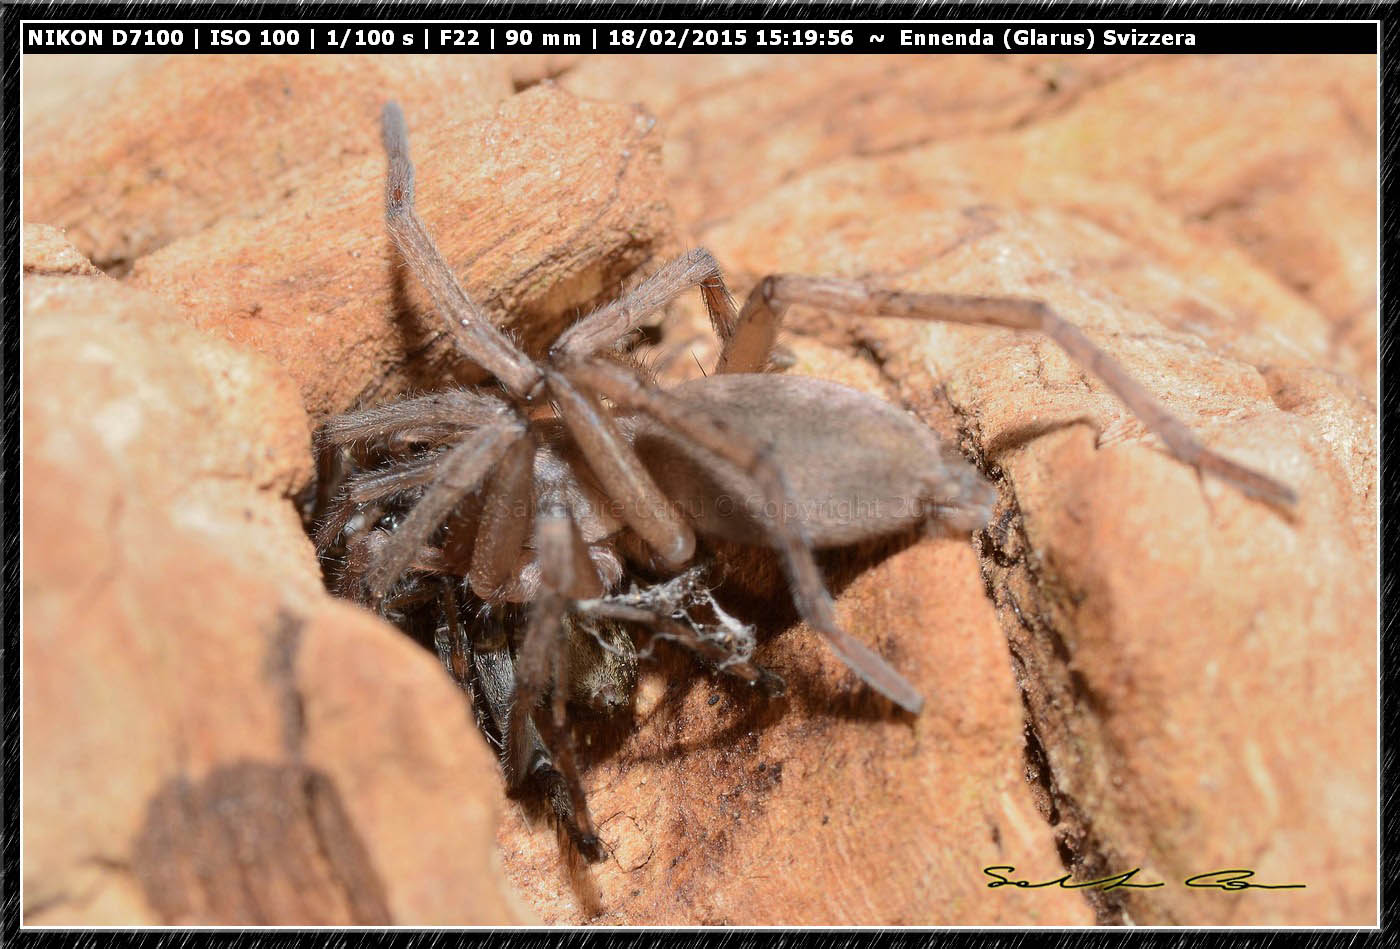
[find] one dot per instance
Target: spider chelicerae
(515, 509)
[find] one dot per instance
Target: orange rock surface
(208, 736)
(1134, 667)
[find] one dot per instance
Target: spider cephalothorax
(542, 489)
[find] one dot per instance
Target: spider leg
(462, 471)
(426, 420)
(368, 487)
(748, 347)
(755, 334)
(543, 665)
(363, 551)
(358, 555)
(784, 532)
(611, 322)
(505, 520)
(477, 338)
(333, 464)
(644, 507)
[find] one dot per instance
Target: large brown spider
(540, 489)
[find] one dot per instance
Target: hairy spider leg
(747, 351)
(643, 506)
(609, 323)
(543, 661)
(461, 473)
(505, 521)
(477, 338)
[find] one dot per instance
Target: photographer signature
(1214, 880)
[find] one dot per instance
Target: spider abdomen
(855, 467)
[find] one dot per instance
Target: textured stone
(1167, 675)
(542, 209)
(822, 807)
(202, 138)
(1274, 154)
(208, 737)
(1185, 653)
(738, 126)
(1198, 671)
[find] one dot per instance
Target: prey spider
(534, 495)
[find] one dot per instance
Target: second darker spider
(540, 490)
(477, 642)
